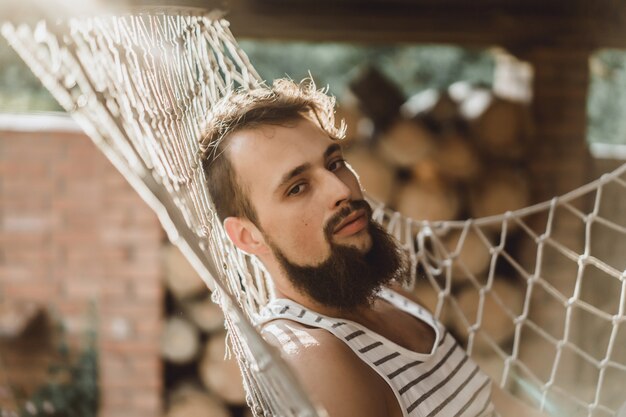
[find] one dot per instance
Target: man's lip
(349, 219)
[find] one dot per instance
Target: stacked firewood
(448, 154)
(445, 154)
(200, 380)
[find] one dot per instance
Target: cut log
(501, 191)
(180, 277)
(405, 143)
(377, 178)
(427, 201)
(379, 98)
(473, 256)
(205, 314)
(427, 172)
(496, 324)
(435, 106)
(460, 91)
(499, 126)
(512, 78)
(221, 376)
(456, 158)
(358, 126)
(192, 402)
(180, 341)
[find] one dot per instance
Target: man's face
(312, 215)
(297, 181)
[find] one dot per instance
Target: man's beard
(349, 278)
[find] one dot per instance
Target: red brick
(147, 219)
(18, 200)
(148, 291)
(129, 236)
(81, 237)
(73, 231)
(130, 347)
(148, 270)
(69, 307)
(76, 168)
(142, 310)
(82, 288)
(72, 275)
(151, 367)
(116, 218)
(78, 324)
(113, 398)
(39, 290)
(24, 169)
(149, 255)
(9, 238)
(132, 382)
(112, 371)
(113, 179)
(148, 329)
(39, 257)
(117, 412)
(147, 401)
(15, 273)
(122, 198)
(115, 290)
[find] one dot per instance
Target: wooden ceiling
(515, 24)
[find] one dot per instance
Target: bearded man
(285, 194)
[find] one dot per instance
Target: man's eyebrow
(293, 173)
(304, 167)
(331, 150)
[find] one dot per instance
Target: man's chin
(361, 241)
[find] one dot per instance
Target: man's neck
(363, 314)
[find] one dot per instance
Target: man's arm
(330, 372)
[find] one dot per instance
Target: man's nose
(338, 191)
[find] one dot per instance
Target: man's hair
(284, 102)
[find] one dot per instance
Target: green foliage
(20, 90)
(606, 104)
(411, 67)
(72, 390)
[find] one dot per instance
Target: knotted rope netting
(141, 85)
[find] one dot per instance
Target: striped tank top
(444, 382)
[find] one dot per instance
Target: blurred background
(455, 109)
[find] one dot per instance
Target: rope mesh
(142, 87)
(568, 354)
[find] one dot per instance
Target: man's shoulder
(314, 350)
(297, 340)
(328, 369)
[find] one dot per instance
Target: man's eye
(296, 189)
(337, 164)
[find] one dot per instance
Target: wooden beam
(463, 23)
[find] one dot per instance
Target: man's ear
(245, 235)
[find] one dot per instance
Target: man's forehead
(266, 152)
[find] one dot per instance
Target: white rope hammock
(142, 85)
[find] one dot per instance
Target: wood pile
(199, 379)
(439, 155)
(449, 154)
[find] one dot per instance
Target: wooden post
(558, 163)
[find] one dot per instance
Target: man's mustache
(344, 212)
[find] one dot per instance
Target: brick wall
(73, 234)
